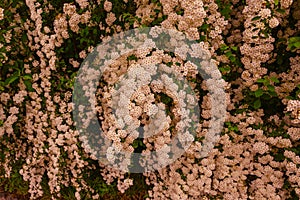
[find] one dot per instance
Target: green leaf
(141, 143)
(255, 18)
(132, 57)
(290, 46)
(223, 47)
(294, 39)
(282, 11)
(234, 48)
(11, 79)
(180, 12)
(204, 27)
(274, 79)
(276, 2)
(95, 31)
(232, 59)
(264, 80)
(297, 44)
(28, 85)
(27, 77)
(257, 104)
(165, 99)
(261, 80)
(225, 69)
(271, 88)
(228, 54)
(273, 93)
(258, 92)
(135, 144)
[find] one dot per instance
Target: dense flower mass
(145, 98)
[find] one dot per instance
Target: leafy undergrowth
(16, 189)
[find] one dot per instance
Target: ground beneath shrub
(10, 196)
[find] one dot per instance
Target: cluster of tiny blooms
(44, 43)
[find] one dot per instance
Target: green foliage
(255, 18)
(278, 155)
(224, 8)
(12, 70)
(231, 53)
(138, 145)
(130, 18)
(229, 70)
(265, 96)
(132, 57)
(158, 20)
(181, 174)
(231, 127)
(294, 43)
(270, 91)
(15, 183)
(68, 193)
(166, 99)
(18, 75)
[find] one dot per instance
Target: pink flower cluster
(255, 157)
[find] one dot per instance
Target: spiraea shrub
(255, 46)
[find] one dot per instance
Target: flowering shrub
(254, 44)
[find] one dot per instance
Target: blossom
(110, 18)
(1, 14)
(69, 9)
(273, 22)
(265, 13)
(74, 63)
(82, 3)
(82, 54)
(107, 6)
(260, 147)
(47, 121)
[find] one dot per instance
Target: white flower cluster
(1, 13)
(152, 93)
(127, 113)
(294, 107)
(159, 122)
